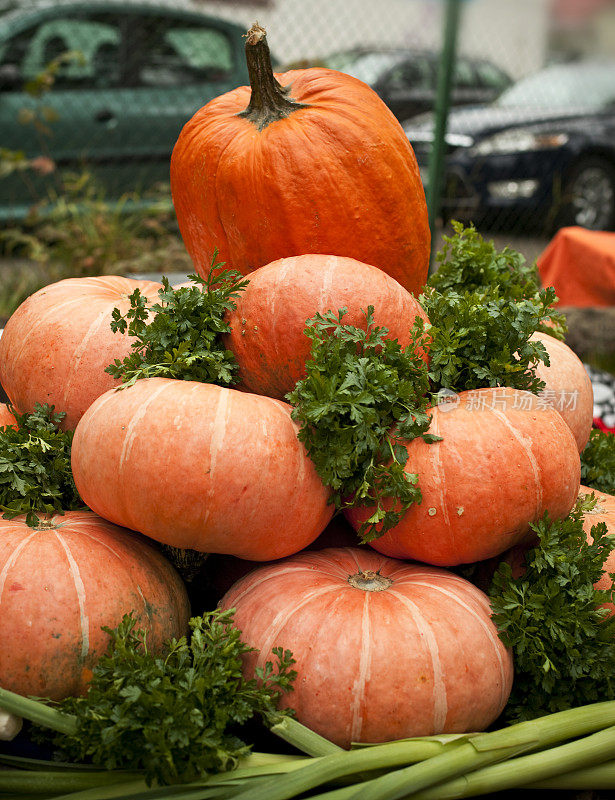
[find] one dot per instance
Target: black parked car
(406, 79)
(544, 150)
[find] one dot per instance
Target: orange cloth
(580, 265)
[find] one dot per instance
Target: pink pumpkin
(568, 387)
(57, 344)
(60, 582)
(384, 649)
(504, 460)
(267, 326)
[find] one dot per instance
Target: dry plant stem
(268, 101)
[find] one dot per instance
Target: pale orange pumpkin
(603, 511)
(568, 387)
(60, 582)
(57, 344)
(267, 326)
(504, 460)
(199, 466)
(7, 420)
(384, 649)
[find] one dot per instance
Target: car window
(173, 53)
(564, 86)
(490, 76)
(93, 43)
(415, 74)
(370, 66)
(463, 76)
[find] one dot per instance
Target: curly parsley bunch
(35, 470)
(362, 397)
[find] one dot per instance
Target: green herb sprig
(363, 394)
(480, 339)
(180, 335)
(173, 715)
(598, 462)
(483, 306)
(35, 471)
(563, 643)
(469, 263)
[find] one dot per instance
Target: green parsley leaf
(563, 643)
(363, 395)
(483, 307)
(598, 462)
(173, 715)
(468, 263)
(180, 335)
(35, 471)
(480, 339)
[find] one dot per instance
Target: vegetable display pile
(399, 585)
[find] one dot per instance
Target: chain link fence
(105, 87)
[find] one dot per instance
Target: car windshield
(367, 67)
(563, 86)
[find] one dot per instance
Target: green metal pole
(443, 97)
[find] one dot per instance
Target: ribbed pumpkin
(504, 460)
(6, 418)
(267, 327)
(384, 649)
(56, 345)
(568, 387)
(60, 582)
(307, 161)
(198, 466)
(604, 511)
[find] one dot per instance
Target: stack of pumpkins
(304, 180)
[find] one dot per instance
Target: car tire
(588, 195)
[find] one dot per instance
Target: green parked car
(128, 77)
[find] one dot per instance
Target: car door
(67, 123)
(175, 63)
(409, 87)
(117, 105)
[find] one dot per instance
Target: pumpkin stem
(48, 523)
(268, 101)
(370, 581)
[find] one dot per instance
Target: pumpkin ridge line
(363, 672)
(12, 560)
(492, 637)
(219, 195)
(282, 618)
(50, 311)
(95, 539)
(440, 475)
(527, 449)
(81, 349)
(81, 597)
(440, 699)
(131, 433)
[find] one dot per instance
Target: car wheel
(588, 196)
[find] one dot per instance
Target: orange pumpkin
(267, 327)
(56, 345)
(7, 420)
(60, 582)
(503, 461)
(307, 161)
(603, 511)
(384, 649)
(199, 466)
(568, 387)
